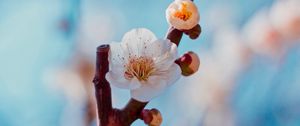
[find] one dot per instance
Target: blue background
(32, 41)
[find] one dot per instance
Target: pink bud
(152, 117)
(189, 63)
(146, 116)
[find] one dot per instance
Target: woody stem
(102, 87)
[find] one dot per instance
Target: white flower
(182, 14)
(261, 37)
(143, 64)
(285, 16)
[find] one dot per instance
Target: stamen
(139, 67)
(183, 12)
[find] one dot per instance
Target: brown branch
(102, 87)
(132, 111)
(175, 35)
(194, 32)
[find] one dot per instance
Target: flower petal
(117, 60)
(119, 81)
(151, 89)
(117, 56)
(136, 40)
(173, 74)
(158, 47)
(164, 61)
(134, 83)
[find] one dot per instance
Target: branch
(102, 87)
(175, 35)
(132, 111)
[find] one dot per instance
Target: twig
(102, 87)
(175, 35)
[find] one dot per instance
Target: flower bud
(152, 117)
(146, 116)
(189, 63)
(182, 14)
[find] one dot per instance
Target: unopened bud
(146, 116)
(189, 63)
(152, 117)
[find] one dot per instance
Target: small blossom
(285, 16)
(143, 64)
(261, 36)
(182, 14)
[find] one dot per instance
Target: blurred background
(249, 50)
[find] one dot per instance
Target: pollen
(183, 13)
(140, 67)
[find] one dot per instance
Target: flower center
(182, 13)
(139, 67)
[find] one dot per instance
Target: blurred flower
(182, 14)
(60, 79)
(69, 82)
(285, 16)
(230, 51)
(209, 90)
(143, 64)
(96, 26)
(262, 37)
